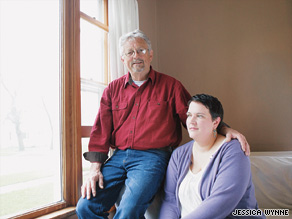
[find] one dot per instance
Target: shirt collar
(151, 76)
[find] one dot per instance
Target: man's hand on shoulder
(231, 134)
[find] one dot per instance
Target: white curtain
(123, 18)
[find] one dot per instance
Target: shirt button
(158, 103)
(131, 132)
(133, 117)
(117, 106)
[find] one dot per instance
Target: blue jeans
(142, 172)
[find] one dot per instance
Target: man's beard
(138, 65)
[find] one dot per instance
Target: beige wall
(239, 51)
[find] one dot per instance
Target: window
(93, 64)
(40, 100)
(30, 149)
(40, 135)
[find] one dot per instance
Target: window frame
(85, 130)
(70, 112)
(71, 129)
(105, 27)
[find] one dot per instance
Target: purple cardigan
(226, 184)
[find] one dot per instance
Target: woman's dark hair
(211, 103)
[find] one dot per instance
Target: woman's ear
(216, 122)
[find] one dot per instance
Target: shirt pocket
(116, 106)
(119, 110)
(158, 111)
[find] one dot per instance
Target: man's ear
(151, 55)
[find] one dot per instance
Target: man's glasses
(138, 51)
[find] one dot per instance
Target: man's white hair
(132, 35)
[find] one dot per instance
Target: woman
(208, 178)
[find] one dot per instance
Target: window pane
(93, 8)
(29, 105)
(91, 52)
(91, 93)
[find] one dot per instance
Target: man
(139, 116)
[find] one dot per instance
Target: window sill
(64, 213)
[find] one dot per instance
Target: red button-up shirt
(140, 118)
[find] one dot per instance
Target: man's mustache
(136, 61)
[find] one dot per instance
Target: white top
(188, 193)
